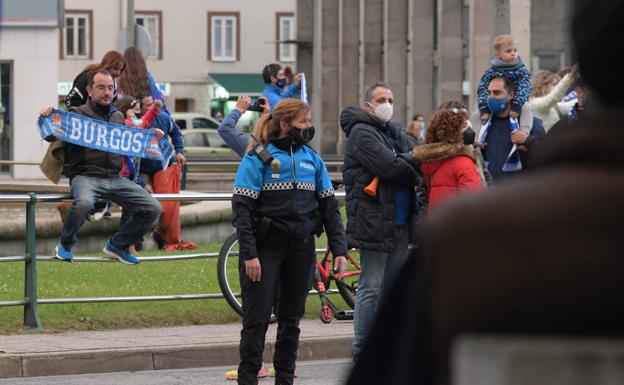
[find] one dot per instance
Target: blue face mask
(497, 106)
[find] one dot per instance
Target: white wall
(34, 53)
(185, 39)
(106, 25)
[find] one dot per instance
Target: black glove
(409, 158)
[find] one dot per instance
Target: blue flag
(304, 89)
(105, 136)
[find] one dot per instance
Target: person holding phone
(227, 129)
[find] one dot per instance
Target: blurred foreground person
(539, 255)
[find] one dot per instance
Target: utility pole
(502, 24)
(130, 23)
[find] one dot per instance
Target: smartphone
(256, 105)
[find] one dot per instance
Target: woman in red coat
(447, 158)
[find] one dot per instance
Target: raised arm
(227, 130)
(546, 102)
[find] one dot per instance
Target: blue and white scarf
(105, 136)
(513, 163)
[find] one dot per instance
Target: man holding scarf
(94, 174)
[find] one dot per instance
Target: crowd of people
(395, 179)
(118, 90)
(393, 176)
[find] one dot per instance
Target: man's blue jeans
(378, 271)
(141, 207)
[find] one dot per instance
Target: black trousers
(286, 263)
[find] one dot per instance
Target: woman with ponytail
(281, 190)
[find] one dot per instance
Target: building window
(284, 31)
(223, 36)
(77, 36)
(152, 21)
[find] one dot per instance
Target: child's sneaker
(63, 253)
(272, 373)
(233, 374)
(122, 255)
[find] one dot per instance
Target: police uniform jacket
(293, 190)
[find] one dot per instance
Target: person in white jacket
(545, 100)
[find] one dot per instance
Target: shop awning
(239, 84)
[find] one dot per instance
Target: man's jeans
(378, 271)
(141, 207)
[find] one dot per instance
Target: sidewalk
(152, 349)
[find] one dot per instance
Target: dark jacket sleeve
(78, 95)
(536, 135)
(330, 215)
(378, 159)
(523, 89)
(176, 135)
(242, 220)
(329, 210)
(247, 188)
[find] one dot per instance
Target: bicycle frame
(327, 273)
(322, 277)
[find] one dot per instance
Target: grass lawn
(62, 280)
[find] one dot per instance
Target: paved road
(331, 372)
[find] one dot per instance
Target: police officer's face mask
(301, 136)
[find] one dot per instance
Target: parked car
(194, 120)
(204, 142)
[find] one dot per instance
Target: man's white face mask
(384, 111)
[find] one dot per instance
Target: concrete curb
(156, 358)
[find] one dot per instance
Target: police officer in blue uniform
(281, 193)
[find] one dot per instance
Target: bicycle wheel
(347, 285)
(228, 274)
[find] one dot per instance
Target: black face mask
(300, 136)
(469, 136)
(281, 83)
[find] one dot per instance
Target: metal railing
(18, 163)
(232, 162)
(31, 301)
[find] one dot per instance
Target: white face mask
(384, 111)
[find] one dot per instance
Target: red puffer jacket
(448, 170)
